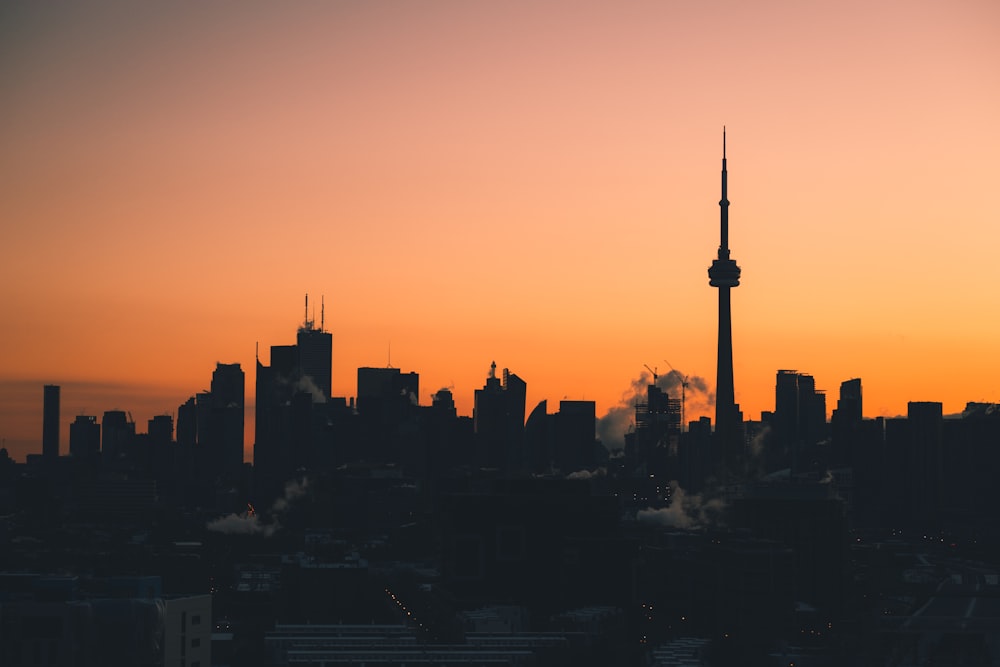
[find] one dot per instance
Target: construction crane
(653, 371)
(684, 385)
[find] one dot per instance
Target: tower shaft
(724, 274)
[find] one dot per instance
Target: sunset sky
(534, 182)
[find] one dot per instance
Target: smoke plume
(306, 384)
(612, 427)
(685, 510)
(249, 523)
(587, 474)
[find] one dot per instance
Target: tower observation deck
(724, 274)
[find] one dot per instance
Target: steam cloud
(611, 428)
(685, 510)
(587, 474)
(249, 523)
(307, 385)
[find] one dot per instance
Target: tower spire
(724, 205)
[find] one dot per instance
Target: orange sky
(530, 182)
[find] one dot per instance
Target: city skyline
(465, 185)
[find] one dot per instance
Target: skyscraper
(50, 423)
(724, 274)
(849, 405)
(498, 421)
(316, 355)
(799, 417)
(85, 439)
(226, 419)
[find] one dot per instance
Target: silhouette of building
(576, 426)
(117, 434)
(292, 405)
(85, 438)
(799, 419)
(315, 348)
(226, 420)
(724, 274)
(161, 430)
(444, 402)
(498, 421)
(849, 405)
(50, 423)
(187, 423)
(564, 442)
(657, 430)
(924, 460)
(386, 391)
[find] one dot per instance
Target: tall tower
(724, 274)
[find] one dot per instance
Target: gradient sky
(535, 183)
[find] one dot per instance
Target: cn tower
(724, 274)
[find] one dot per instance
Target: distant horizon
(78, 397)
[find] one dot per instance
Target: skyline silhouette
(465, 184)
(502, 214)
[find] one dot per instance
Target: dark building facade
(292, 408)
(226, 420)
(799, 420)
(85, 438)
(498, 421)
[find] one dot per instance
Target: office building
(498, 421)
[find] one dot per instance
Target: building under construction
(657, 430)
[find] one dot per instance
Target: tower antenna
(322, 312)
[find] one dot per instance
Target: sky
(534, 183)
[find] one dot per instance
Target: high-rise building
(50, 423)
(923, 459)
(85, 438)
(187, 423)
(292, 397)
(849, 405)
(799, 419)
(382, 389)
(226, 419)
(117, 434)
(575, 436)
(444, 402)
(724, 275)
(160, 430)
(498, 421)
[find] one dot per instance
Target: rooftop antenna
(389, 361)
(306, 318)
(322, 312)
